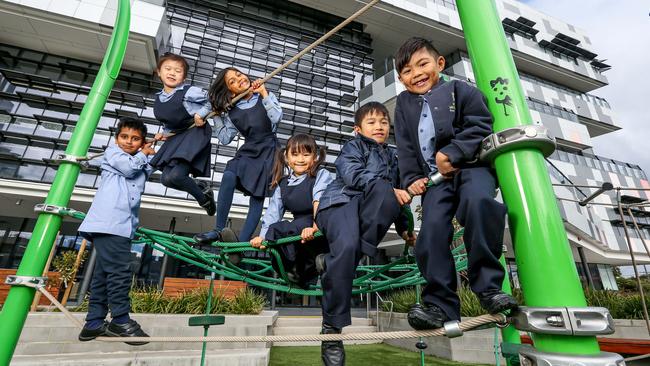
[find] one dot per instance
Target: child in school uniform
(110, 225)
(355, 212)
(439, 126)
(299, 193)
(255, 117)
(182, 109)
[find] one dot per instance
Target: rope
(309, 48)
(466, 325)
(295, 57)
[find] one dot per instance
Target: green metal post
(546, 269)
(16, 307)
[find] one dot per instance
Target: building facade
(50, 52)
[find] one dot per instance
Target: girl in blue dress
(297, 192)
(255, 117)
(182, 110)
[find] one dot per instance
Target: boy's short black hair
(132, 123)
(173, 57)
(368, 108)
(408, 48)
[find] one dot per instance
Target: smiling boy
(110, 225)
(439, 126)
(354, 213)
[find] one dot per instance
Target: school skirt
(191, 146)
(253, 166)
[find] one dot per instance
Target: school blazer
(461, 120)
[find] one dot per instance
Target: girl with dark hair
(182, 109)
(255, 117)
(297, 192)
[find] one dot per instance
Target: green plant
(152, 300)
(64, 263)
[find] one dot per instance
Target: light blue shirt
(275, 211)
(195, 101)
(117, 201)
(427, 136)
(225, 131)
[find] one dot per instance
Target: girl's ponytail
(279, 165)
(321, 155)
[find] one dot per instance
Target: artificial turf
(356, 355)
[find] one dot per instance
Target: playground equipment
(563, 327)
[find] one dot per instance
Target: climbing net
(399, 273)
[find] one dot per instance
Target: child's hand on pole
(444, 165)
(308, 233)
(257, 241)
(258, 87)
(418, 187)
(159, 137)
(198, 120)
(147, 149)
(403, 197)
(409, 238)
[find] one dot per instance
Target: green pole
(16, 307)
(546, 269)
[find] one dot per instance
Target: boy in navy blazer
(354, 213)
(439, 126)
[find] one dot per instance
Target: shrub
(622, 305)
(152, 300)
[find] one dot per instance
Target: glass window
(31, 172)
(37, 153)
(22, 125)
(49, 129)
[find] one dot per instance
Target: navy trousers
(111, 277)
(470, 196)
(352, 229)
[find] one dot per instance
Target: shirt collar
(162, 91)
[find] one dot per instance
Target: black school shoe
(332, 352)
(426, 317)
(90, 334)
(207, 237)
(209, 205)
(130, 329)
(497, 301)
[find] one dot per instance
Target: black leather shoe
(207, 237)
(90, 334)
(209, 205)
(497, 301)
(130, 329)
(332, 352)
(426, 317)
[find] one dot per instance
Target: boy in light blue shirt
(110, 224)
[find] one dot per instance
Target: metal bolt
(555, 321)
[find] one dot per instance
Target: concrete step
(230, 357)
(40, 319)
(289, 325)
(54, 334)
(311, 321)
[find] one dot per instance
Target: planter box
(4, 289)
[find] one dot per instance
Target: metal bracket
(567, 321)
(452, 329)
(52, 209)
(28, 281)
(529, 356)
(82, 161)
(529, 136)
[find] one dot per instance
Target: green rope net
(399, 273)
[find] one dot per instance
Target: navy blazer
(461, 120)
(362, 160)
